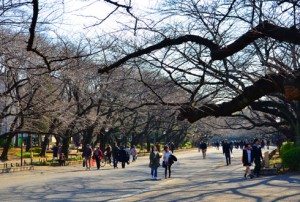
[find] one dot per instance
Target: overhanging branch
(269, 84)
(264, 29)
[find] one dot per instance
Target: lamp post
(21, 149)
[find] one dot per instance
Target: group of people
(115, 154)
(58, 155)
(240, 144)
(167, 162)
(252, 153)
(112, 155)
(89, 153)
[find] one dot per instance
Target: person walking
(257, 157)
(166, 163)
(87, 154)
(172, 147)
(247, 159)
(133, 153)
(203, 147)
(108, 152)
(268, 144)
(226, 151)
(123, 156)
(115, 153)
(98, 155)
(61, 156)
(217, 145)
(154, 162)
(55, 153)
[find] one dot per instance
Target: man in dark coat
(226, 151)
(203, 147)
(172, 147)
(257, 157)
(123, 156)
(115, 154)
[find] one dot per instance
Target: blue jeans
(154, 172)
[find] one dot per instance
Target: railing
(12, 167)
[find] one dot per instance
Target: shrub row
(290, 155)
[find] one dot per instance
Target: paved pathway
(194, 179)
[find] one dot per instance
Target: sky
(75, 17)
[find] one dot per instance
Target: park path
(193, 179)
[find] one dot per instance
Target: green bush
(36, 150)
(286, 146)
(25, 154)
(187, 145)
(291, 158)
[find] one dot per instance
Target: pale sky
(78, 16)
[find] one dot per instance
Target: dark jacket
(154, 160)
(123, 155)
(226, 148)
(55, 151)
(115, 151)
(172, 158)
(87, 153)
(203, 145)
(245, 157)
(257, 155)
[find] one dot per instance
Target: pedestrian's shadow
(142, 180)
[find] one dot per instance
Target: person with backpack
(87, 155)
(154, 162)
(98, 155)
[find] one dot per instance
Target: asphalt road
(193, 179)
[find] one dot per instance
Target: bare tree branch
(264, 29)
(273, 83)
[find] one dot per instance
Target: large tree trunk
(7, 144)
(88, 136)
(44, 145)
(9, 139)
(46, 140)
(65, 145)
